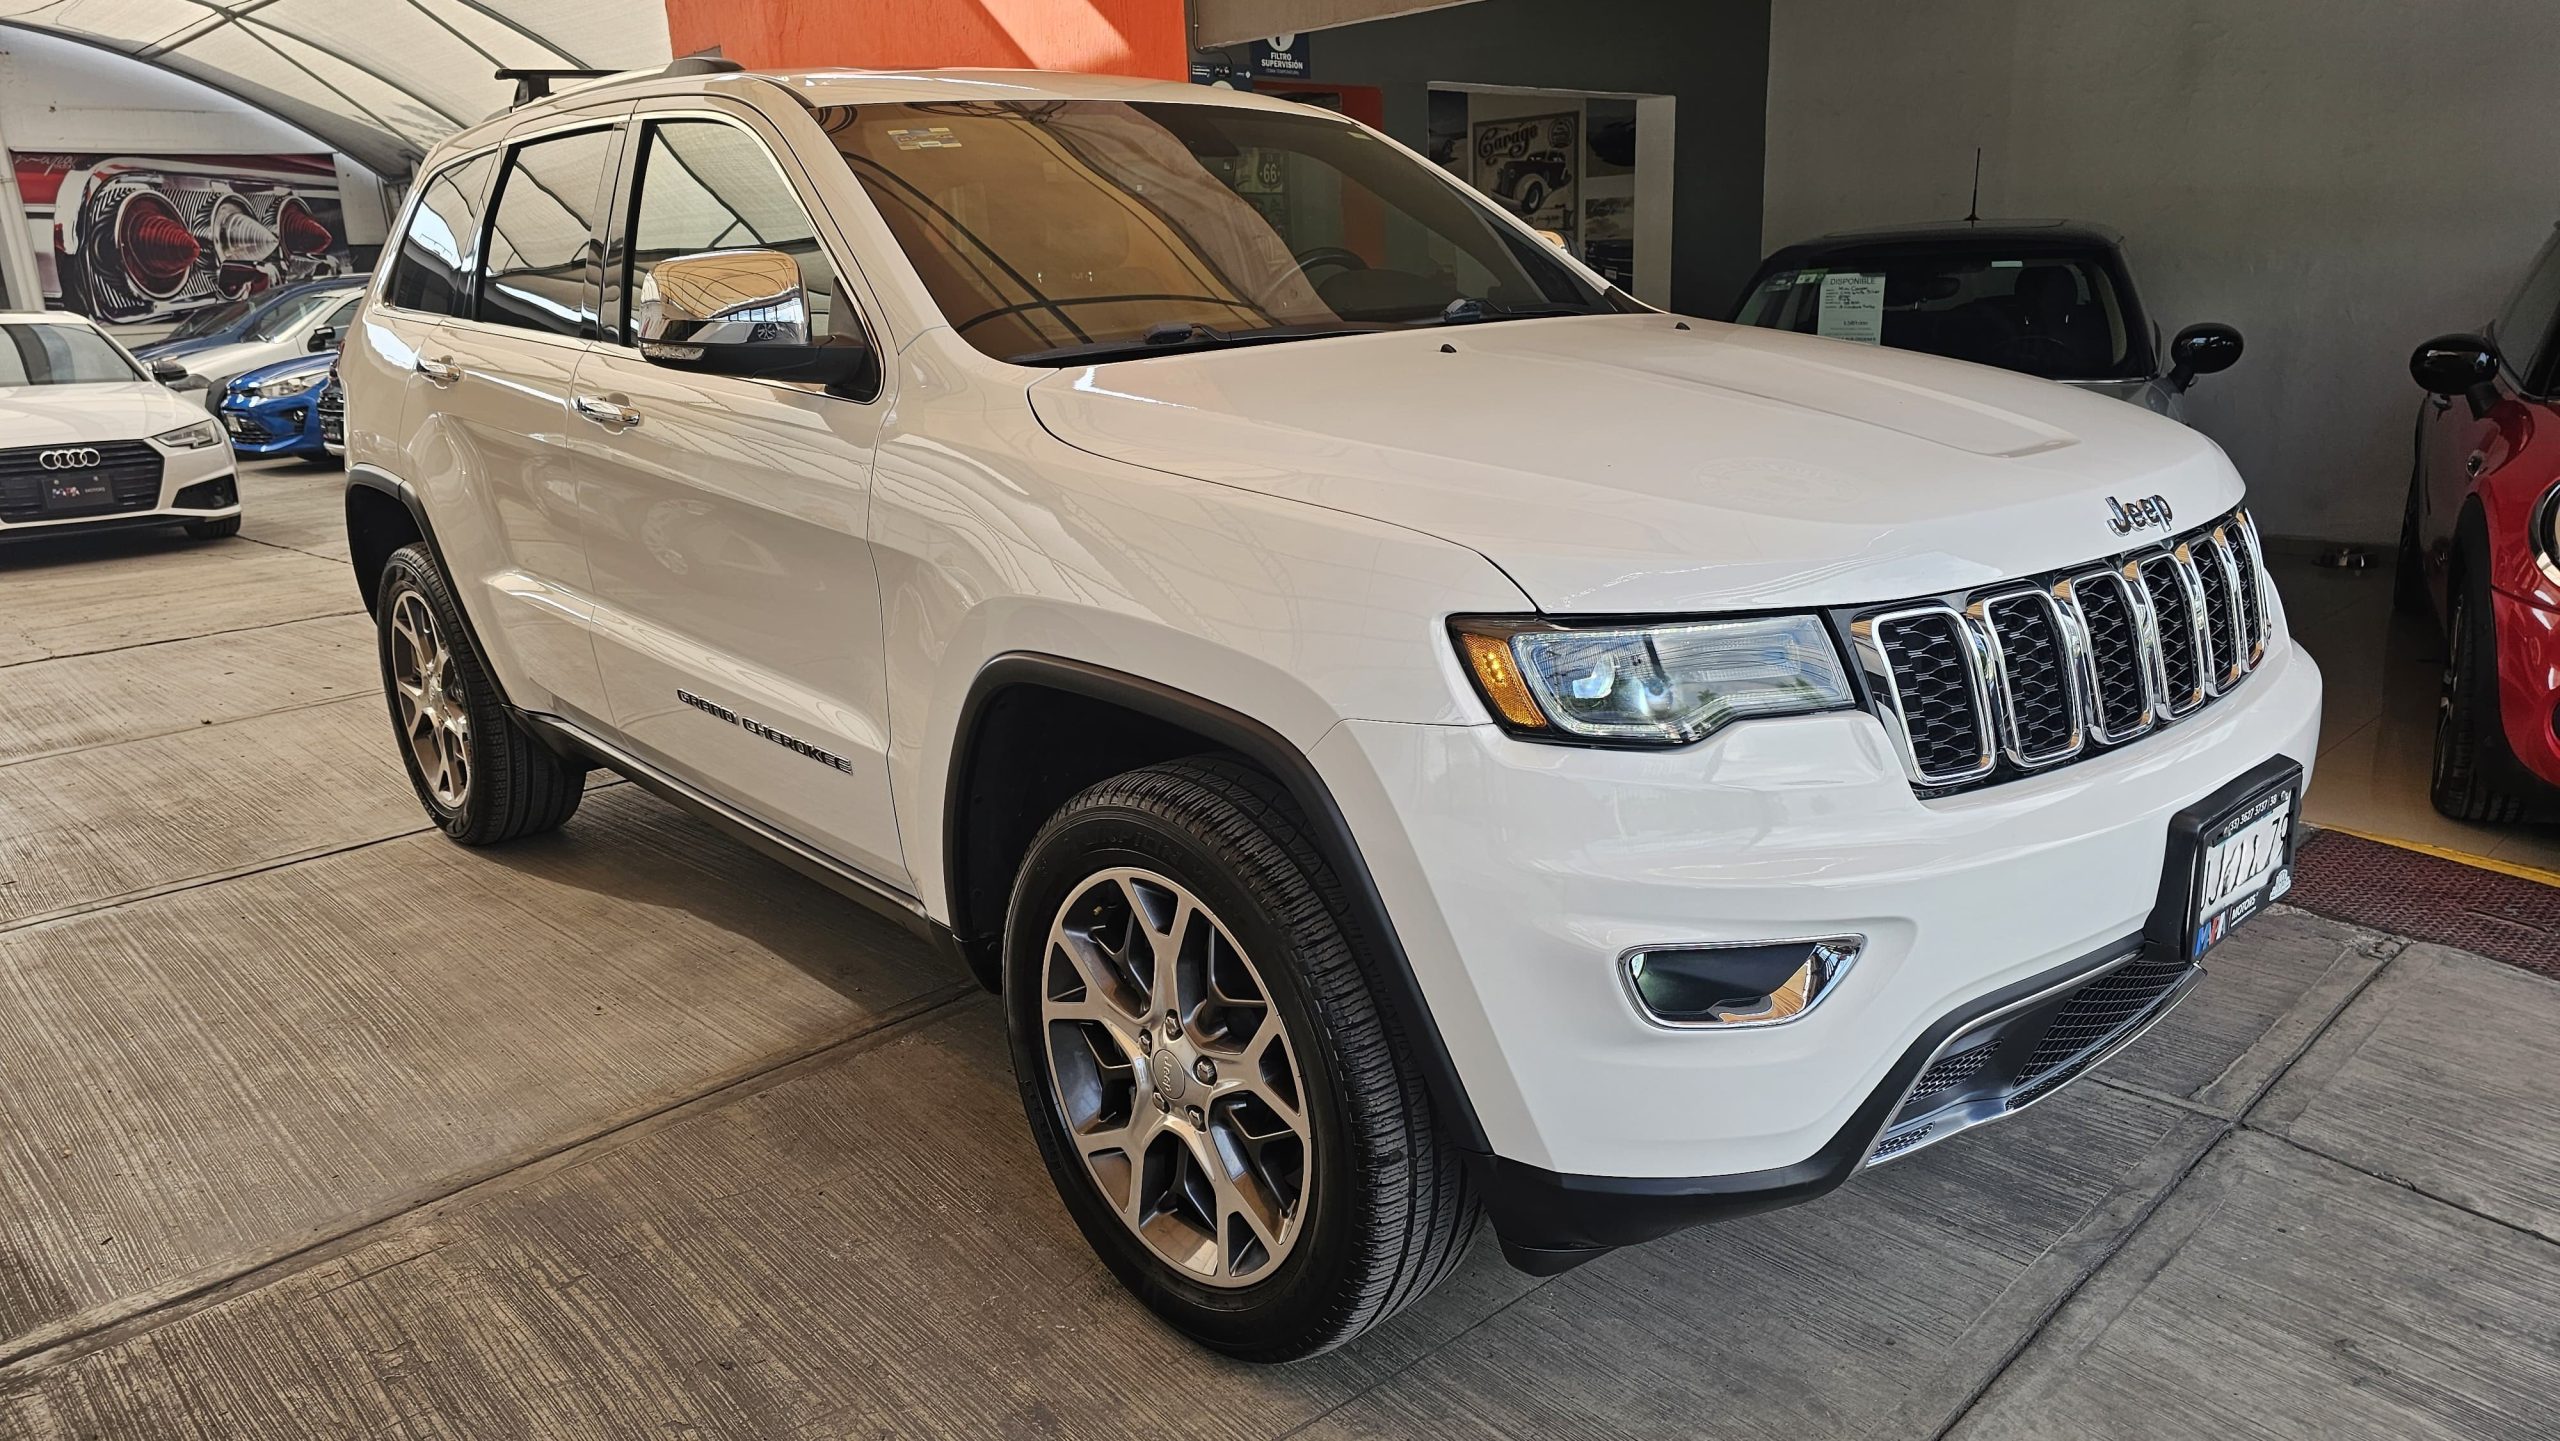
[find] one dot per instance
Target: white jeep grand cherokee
(1410, 732)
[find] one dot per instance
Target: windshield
(206, 322)
(2062, 317)
(1049, 230)
(281, 318)
(52, 354)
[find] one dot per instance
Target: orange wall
(1115, 37)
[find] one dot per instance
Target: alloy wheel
(435, 720)
(1174, 1074)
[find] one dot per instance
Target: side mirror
(168, 372)
(2202, 350)
(325, 338)
(2460, 364)
(742, 313)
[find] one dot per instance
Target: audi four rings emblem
(81, 457)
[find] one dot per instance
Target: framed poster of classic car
(1529, 164)
(143, 239)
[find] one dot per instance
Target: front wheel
(1221, 1100)
(2476, 775)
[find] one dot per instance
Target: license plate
(75, 492)
(2242, 860)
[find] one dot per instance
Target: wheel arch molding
(377, 504)
(1090, 722)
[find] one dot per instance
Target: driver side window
(709, 185)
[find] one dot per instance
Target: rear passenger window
(542, 234)
(708, 186)
(437, 255)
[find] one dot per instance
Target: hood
(310, 369)
(1624, 464)
(225, 358)
(181, 349)
(86, 414)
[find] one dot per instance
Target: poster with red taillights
(143, 239)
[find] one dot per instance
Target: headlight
(276, 389)
(191, 437)
(1660, 685)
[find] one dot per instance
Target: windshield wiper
(1174, 337)
(1468, 309)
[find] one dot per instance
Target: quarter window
(542, 235)
(705, 185)
(441, 248)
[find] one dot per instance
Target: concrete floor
(312, 1124)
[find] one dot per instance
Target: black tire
(1391, 1210)
(222, 529)
(2409, 576)
(2476, 775)
(516, 786)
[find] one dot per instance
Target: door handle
(2475, 461)
(611, 414)
(439, 371)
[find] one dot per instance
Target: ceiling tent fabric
(379, 80)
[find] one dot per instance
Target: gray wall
(2339, 178)
(1712, 54)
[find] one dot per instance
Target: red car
(2478, 549)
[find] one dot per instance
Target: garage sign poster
(143, 239)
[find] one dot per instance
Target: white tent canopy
(379, 80)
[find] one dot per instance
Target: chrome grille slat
(2035, 674)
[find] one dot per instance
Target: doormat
(2428, 898)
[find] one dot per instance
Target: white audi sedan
(89, 439)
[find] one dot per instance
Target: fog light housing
(1736, 985)
(218, 494)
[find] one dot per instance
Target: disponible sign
(1282, 57)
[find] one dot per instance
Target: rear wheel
(481, 776)
(1222, 1102)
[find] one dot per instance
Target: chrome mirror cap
(720, 297)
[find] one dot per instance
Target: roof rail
(532, 85)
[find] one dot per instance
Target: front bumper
(284, 425)
(1516, 874)
(2528, 641)
(199, 484)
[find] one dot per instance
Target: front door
(738, 615)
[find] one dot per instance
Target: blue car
(274, 410)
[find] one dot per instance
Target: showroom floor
(316, 1125)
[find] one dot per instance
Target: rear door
(738, 614)
(497, 408)
(429, 280)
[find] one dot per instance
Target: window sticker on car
(1852, 307)
(931, 137)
